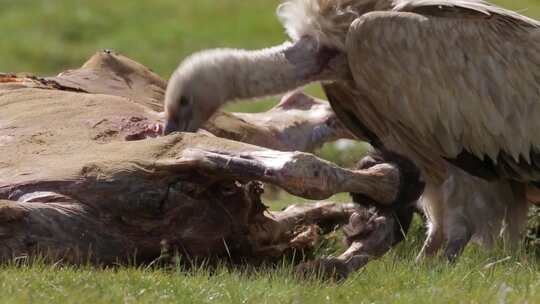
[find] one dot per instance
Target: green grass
(396, 278)
(479, 276)
(48, 36)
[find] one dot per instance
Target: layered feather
(448, 81)
(438, 76)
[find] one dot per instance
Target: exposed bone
(324, 214)
(298, 173)
(298, 123)
(369, 236)
(373, 229)
(312, 219)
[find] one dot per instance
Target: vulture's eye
(184, 101)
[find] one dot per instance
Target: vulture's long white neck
(261, 73)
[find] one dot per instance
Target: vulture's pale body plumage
(447, 83)
(442, 82)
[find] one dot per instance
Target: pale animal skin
(439, 81)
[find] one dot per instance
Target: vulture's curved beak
(170, 127)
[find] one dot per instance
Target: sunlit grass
(478, 277)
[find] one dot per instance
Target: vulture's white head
(195, 91)
(205, 81)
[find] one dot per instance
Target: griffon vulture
(447, 83)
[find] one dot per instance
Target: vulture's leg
(465, 206)
(433, 243)
(459, 235)
(478, 208)
(464, 199)
(516, 215)
(445, 207)
(433, 208)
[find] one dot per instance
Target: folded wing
(461, 77)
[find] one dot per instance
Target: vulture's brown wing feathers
(341, 97)
(451, 79)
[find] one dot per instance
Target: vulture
(453, 85)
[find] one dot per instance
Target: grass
(478, 277)
(48, 36)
